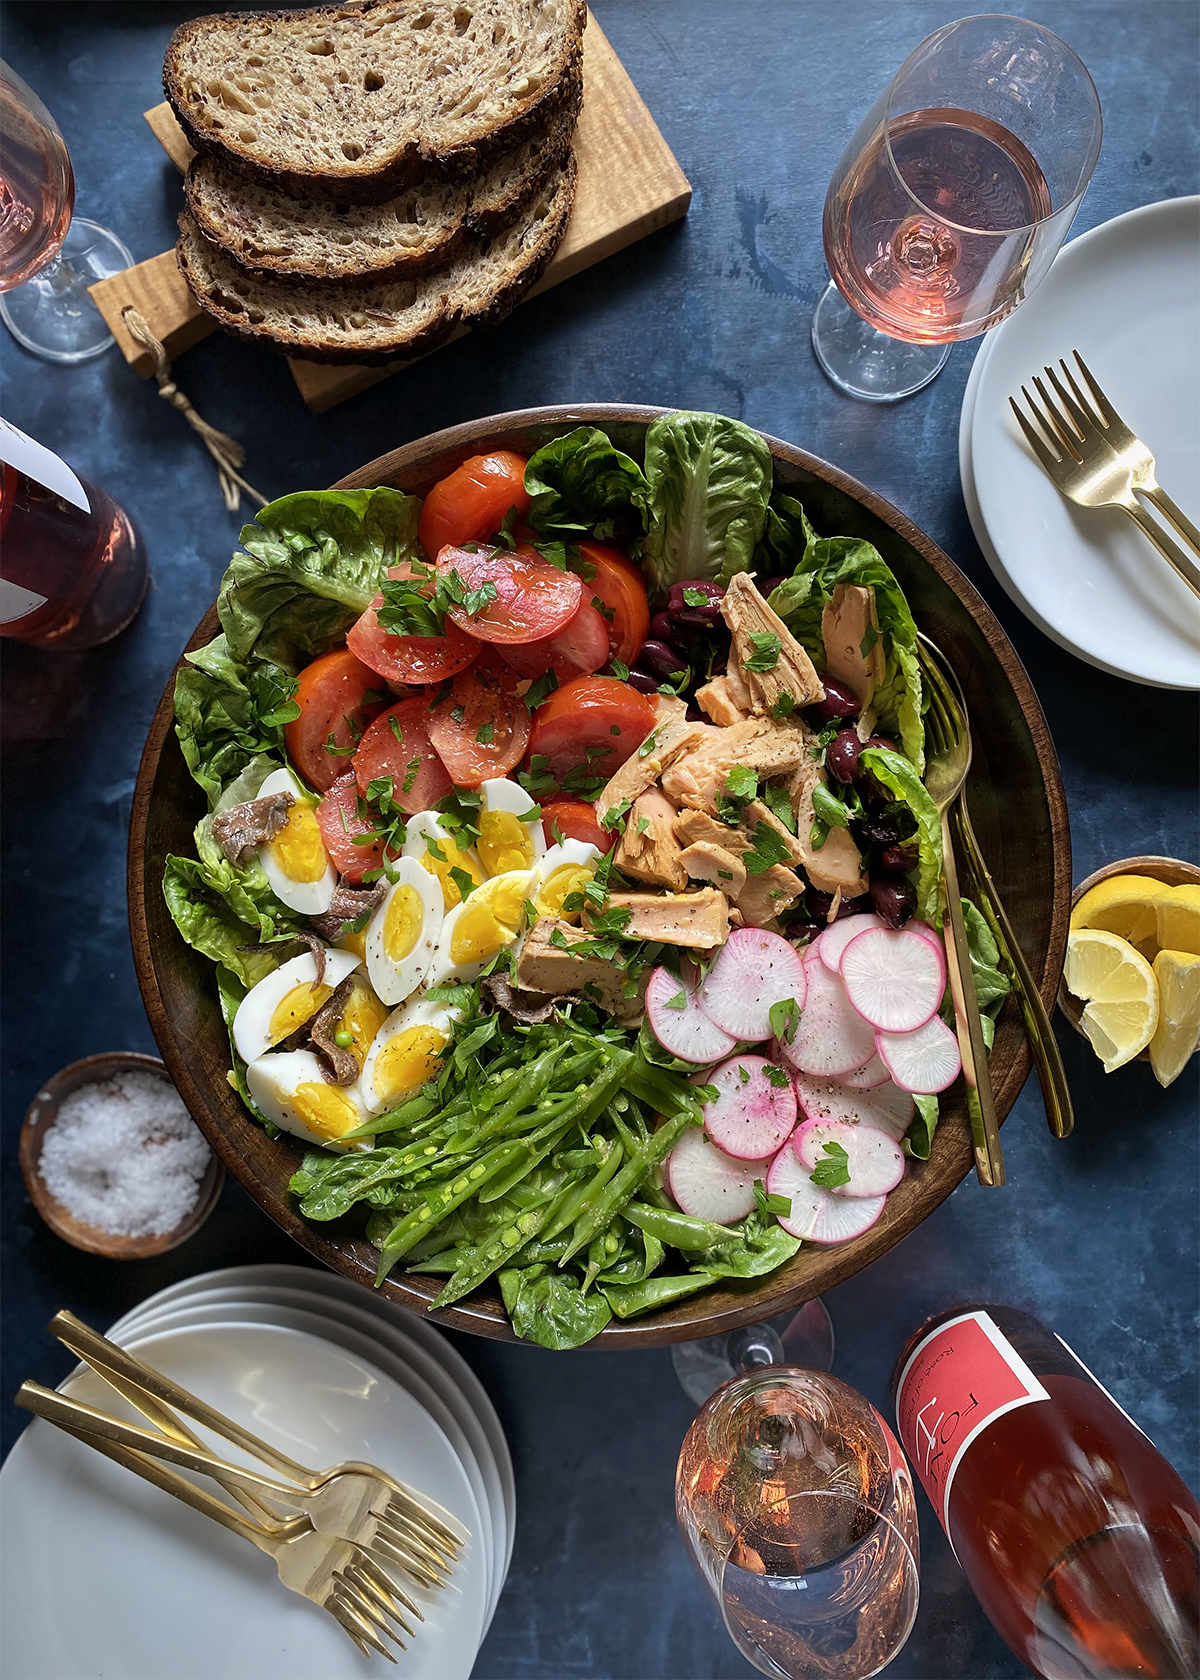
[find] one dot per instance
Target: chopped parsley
(778, 801)
(462, 881)
(828, 808)
(537, 779)
(696, 598)
(767, 646)
(784, 1018)
(679, 1001)
(780, 1206)
(833, 1170)
(620, 670)
(648, 745)
(458, 713)
(540, 690)
(870, 637)
(604, 609)
(776, 1076)
(417, 605)
(613, 815)
(784, 705)
(643, 823)
(413, 770)
(486, 733)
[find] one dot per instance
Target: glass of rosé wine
(951, 201)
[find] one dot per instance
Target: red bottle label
(961, 1377)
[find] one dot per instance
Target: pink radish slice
(926, 932)
(894, 980)
(753, 970)
(683, 1029)
(708, 1184)
(839, 934)
(817, 1215)
(751, 1117)
(885, 1107)
(832, 1038)
(867, 1077)
(926, 1060)
(874, 1161)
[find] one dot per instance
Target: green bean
(440, 1202)
(680, 1230)
(644, 1159)
(395, 1119)
(539, 1253)
(445, 1260)
(535, 1149)
(603, 1251)
(490, 1256)
(573, 1203)
(629, 1299)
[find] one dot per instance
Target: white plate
(106, 1576)
(1127, 297)
(401, 1359)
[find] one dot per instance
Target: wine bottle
(1080, 1541)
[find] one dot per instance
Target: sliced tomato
(397, 745)
(579, 648)
(340, 825)
(338, 696)
(409, 659)
(575, 819)
(532, 599)
(587, 729)
(619, 584)
(472, 502)
(481, 728)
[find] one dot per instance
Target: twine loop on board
(227, 453)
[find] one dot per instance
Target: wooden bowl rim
(42, 1115)
(762, 1299)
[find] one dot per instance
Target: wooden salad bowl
(1017, 805)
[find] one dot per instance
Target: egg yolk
(452, 858)
(504, 842)
(354, 942)
(486, 924)
(558, 886)
(325, 1110)
(402, 921)
(407, 1061)
(294, 1008)
(362, 1018)
(298, 849)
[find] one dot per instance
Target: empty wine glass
(951, 201)
(47, 259)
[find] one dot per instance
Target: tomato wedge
(472, 502)
(340, 824)
(481, 728)
(397, 745)
(575, 819)
(587, 729)
(338, 696)
(619, 584)
(530, 598)
(409, 659)
(579, 648)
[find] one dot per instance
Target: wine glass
(951, 201)
(797, 1506)
(47, 260)
(802, 1338)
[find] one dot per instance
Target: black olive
(838, 703)
(661, 660)
(893, 899)
(643, 683)
(676, 602)
(661, 627)
(897, 860)
(841, 756)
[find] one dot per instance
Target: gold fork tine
(1085, 423)
(1099, 402)
(357, 1627)
(1049, 461)
(350, 1593)
(366, 1586)
(1055, 423)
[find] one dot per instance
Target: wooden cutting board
(629, 185)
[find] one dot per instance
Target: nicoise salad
(571, 883)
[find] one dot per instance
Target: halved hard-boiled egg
(296, 862)
(509, 838)
(406, 1052)
(566, 868)
(289, 1089)
(403, 932)
(438, 851)
(472, 934)
(285, 1000)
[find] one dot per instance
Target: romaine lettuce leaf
(898, 776)
(580, 480)
(247, 891)
(918, 1139)
(230, 991)
(991, 984)
(708, 480)
(208, 924)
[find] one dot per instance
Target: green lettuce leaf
(228, 711)
(896, 774)
(247, 891)
(230, 993)
(549, 1308)
(580, 480)
(208, 924)
(918, 1139)
(708, 480)
(991, 984)
(759, 1251)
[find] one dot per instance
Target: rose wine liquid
(931, 242)
(37, 192)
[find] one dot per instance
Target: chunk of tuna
(836, 866)
(792, 680)
(648, 849)
(771, 748)
(767, 896)
(698, 919)
(708, 862)
(556, 969)
(717, 699)
(849, 623)
(642, 769)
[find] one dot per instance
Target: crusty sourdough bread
(371, 323)
(423, 227)
(352, 102)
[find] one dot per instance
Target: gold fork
(1096, 461)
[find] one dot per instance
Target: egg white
(395, 978)
(423, 828)
(310, 898)
(572, 855)
(501, 795)
(444, 966)
(290, 1089)
(252, 1023)
(418, 1012)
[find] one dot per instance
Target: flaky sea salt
(125, 1156)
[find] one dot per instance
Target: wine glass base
(802, 1338)
(864, 363)
(52, 314)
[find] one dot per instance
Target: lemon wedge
(1177, 914)
(1124, 905)
(1118, 987)
(1178, 1031)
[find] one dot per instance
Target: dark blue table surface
(757, 99)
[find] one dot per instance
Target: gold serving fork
(1093, 458)
(945, 773)
(945, 722)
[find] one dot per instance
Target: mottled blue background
(757, 98)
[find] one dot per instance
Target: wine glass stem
(757, 1344)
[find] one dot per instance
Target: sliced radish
(832, 1038)
(752, 1115)
(678, 1022)
(753, 970)
(926, 932)
(894, 980)
(868, 1076)
(838, 935)
(708, 1184)
(885, 1106)
(926, 1060)
(874, 1161)
(817, 1215)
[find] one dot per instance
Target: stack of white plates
(104, 1575)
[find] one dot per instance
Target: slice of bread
(423, 227)
(353, 102)
(373, 323)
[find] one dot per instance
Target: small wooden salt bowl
(41, 1116)
(1172, 872)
